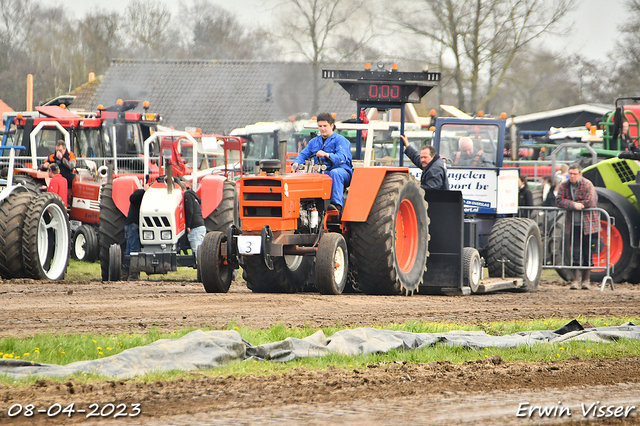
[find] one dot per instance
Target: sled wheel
(215, 272)
(332, 264)
(471, 268)
(516, 240)
(45, 238)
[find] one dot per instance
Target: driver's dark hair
(325, 116)
(576, 166)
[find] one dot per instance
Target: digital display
(384, 91)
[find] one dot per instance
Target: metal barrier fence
(569, 250)
(122, 164)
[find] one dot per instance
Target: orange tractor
(291, 242)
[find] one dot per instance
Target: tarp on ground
(209, 349)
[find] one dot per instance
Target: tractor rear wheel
(84, 244)
(289, 274)
(12, 212)
(45, 238)
(226, 213)
(29, 182)
(112, 223)
(332, 264)
(516, 240)
(215, 273)
(624, 258)
(389, 250)
(471, 268)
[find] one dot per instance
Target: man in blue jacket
(434, 174)
(335, 150)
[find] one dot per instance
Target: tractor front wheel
(84, 244)
(112, 223)
(216, 274)
(332, 264)
(289, 274)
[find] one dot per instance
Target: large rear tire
(12, 213)
(516, 240)
(289, 274)
(28, 182)
(332, 264)
(216, 275)
(84, 244)
(112, 223)
(226, 213)
(45, 238)
(389, 250)
(624, 258)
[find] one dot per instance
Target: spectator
(562, 174)
(524, 193)
(470, 156)
(581, 228)
(132, 228)
(193, 220)
(549, 192)
(57, 184)
(65, 159)
(334, 148)
(434, 173)
(626, 143)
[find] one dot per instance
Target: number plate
(249, 244)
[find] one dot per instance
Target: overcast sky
(595, 25)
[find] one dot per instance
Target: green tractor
(615, 180)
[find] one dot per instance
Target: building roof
(85, 93)
(219, 95)
(572, 116)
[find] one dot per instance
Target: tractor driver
(65, 159)
(335, 150)
(469, 156)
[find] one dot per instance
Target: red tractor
(162, 220)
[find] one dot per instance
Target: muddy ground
(482, 392)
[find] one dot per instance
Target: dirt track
(361, 396)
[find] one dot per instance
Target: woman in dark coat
(524, 194)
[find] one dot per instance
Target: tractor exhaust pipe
(169, 170)
(282, 155)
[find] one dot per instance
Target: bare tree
(482, 37)
(316, 28)
(216, 33)
(148, 30)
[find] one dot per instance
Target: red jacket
(58, 185)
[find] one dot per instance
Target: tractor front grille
(156, 221)
(624, 171)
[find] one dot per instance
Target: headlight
(147, 235)
(165, 235)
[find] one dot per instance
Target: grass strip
(64, 349)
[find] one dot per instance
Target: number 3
(248, 250)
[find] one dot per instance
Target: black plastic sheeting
(209, 349)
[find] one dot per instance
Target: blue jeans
(132, 234)
(196, 237)
(341, 179)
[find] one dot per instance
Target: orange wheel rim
(615, 247)
(406, 236)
